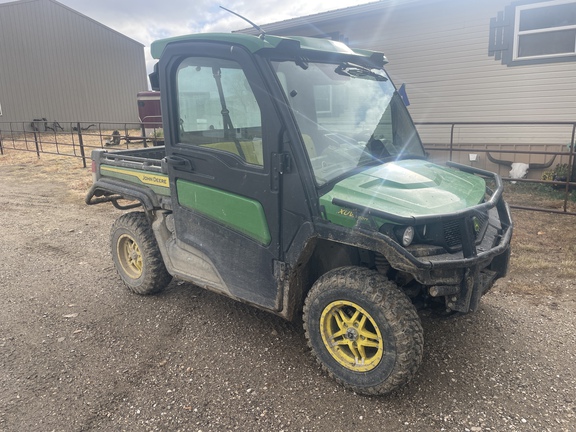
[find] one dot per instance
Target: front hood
(405, 188)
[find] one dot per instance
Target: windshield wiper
(356, 71)
(403, 156)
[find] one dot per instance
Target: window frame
(518, 33)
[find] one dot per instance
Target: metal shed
(60, 65)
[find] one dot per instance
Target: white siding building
(470, 61)
(58, 64)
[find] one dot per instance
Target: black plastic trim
(381, 243)
(106, 187)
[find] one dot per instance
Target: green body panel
(254, 43)
(237, 212)
(157, 182)
(405, 188)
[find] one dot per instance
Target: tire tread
(399, 311)
(156, 277)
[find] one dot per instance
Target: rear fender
(106, 190)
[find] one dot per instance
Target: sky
(148, 20)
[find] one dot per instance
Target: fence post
(36, 143)
(143, 128)
(81, 144)
(570, 166)
(1, 147)
(451, 140)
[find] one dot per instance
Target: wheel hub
(352, 334)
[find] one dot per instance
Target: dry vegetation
(60, 154)
(543, 255)
(49, 168)
(543, 247)
(540, 195)
(544, 244)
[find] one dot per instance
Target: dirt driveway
(78, 352)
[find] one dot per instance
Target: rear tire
(363, 330)
(136, 255)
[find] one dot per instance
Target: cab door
(222, 147)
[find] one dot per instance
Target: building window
(528, 32)
(545, 30)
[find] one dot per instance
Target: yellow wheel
(136, 255)
(129, 256)
(363, 330)
(351, 336)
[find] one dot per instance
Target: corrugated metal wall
(58, 64)
(440, 50)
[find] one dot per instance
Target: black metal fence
(536, 144)
(75, 139)
(494, 146)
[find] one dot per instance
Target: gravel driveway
(78, 352)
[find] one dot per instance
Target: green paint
(405, 188)
(237, 212)
(254, 43)
(157, 182)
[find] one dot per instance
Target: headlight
(406, 236)
(476, 224)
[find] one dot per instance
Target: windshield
(349, 116)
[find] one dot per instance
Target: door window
(217, 108)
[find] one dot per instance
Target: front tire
(136, 255)
(363, 330)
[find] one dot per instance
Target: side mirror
(154, 79)
(404, 95)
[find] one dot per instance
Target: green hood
(405, 188)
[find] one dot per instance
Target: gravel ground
(78, 352)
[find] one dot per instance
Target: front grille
(453, 236)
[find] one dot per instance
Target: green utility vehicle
(293, 179)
